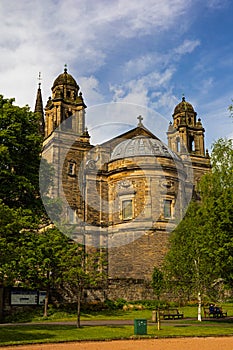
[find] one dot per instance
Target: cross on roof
(140, 118)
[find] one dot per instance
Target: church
(125, 196)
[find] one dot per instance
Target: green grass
(15, 335)
(45, 333)
(62, 315)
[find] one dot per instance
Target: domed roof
(183, 106)
(65, 79)
(142, 146)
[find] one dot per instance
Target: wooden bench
(170, 314)
(218, 313)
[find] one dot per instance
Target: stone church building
(122, 197)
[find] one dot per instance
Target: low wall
(129, 289)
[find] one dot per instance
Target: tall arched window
(178, 144)
(167, 208)
(191, 144)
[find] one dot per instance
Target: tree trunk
(199, 307)
(46, 303)
(1, 303)
(79, 306)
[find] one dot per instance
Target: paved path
(211, 343)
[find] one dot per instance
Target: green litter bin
(140, 326)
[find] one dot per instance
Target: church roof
(142, 146)
(183, 106)
(65, 79)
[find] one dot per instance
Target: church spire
(39, 107)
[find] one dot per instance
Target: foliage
(20, 147)
(157, 282)
(201, 254)
(12, 221)
(40, 255)
(80, 270)
(231, 110)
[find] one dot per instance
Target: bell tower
(66, 142)
(186, 133)
(66, 101)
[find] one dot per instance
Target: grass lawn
(15, 335)
(45, 333)
(188, 311)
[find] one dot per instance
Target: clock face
(91, 164)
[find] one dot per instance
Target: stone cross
(140, 118)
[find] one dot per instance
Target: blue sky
(141, 54)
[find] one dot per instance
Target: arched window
(167, 208)
(191, 144)
(178, 144)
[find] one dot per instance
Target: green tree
(186, 262)
(157, 282)
(11, 223)
(20, 204)
(201, 246)
(217, 196)
(40, 258)
(20, 148)
(80, 271)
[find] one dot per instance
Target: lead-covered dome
(183, 106)
(65, 79)
(142, 146)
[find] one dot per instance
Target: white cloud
(217, 4)
(137, 46)
(138, 90)
(43, 35)
(90, 88)
(187, 47)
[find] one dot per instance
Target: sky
(128, 57)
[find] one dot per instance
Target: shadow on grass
(17, 335)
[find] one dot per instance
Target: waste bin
(140, 326)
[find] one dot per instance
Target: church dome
(65, 79)
(183, 106)
(142, 146)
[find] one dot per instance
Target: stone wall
(138, 258)
(130, 289)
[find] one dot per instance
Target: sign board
(22, 297)
(42, 296)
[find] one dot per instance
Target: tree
(20, 204)
(217, 194)
(80, 270)
(11, 223)
(202, 245)
(20, 148)
(40, 258)
(188, 265)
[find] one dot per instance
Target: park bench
(218, 313)
(170, 314)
